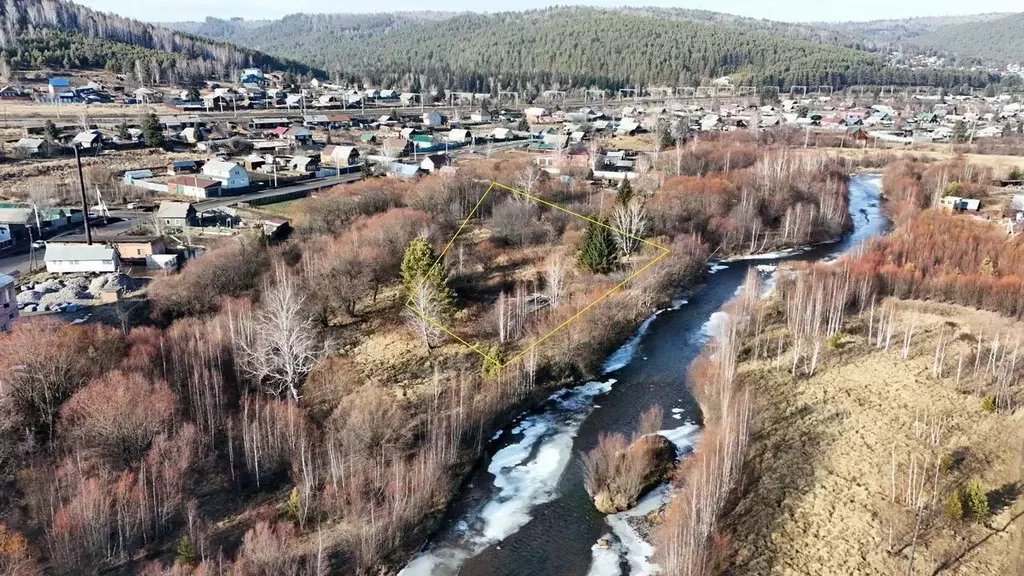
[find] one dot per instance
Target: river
(525, 511)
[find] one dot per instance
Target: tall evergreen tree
(418, 267)
(600, 252)
(625, 192)
(151, 131)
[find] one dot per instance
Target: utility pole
(85, 202)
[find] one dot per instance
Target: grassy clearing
(819, 495)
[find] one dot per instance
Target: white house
(536, 113)
(229, 174)
(64, 259)
(338, 156)
(8, 303)
(480, 116)
(458, 136)
(435, 162)
(5, 236)
(432, 119)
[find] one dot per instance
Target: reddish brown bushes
(117, 416)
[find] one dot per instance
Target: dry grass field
(823, 496)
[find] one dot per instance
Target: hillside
(900, 34)
(1000, 40)
(60, 34)
(569, 47)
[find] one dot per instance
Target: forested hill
(302, 36)
(563, 47)
(898, 34)
(1000, 40)
(60, 34)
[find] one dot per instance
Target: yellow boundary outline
(664, 252)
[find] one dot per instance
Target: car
(39, 244)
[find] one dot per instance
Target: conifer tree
(625, 193)
(418, 267)
(599, 253)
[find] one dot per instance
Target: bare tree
(554, 278)
(425, 319)
(630, 223)
(278, 345)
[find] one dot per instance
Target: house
(69, 259)
(958, 204)
(395, 147)
(131, 176)
(176, 214)
(28, 147)
(298, 134)
(458, 136)
(340, 156)
(133, 249)
(58, 85)
(433, 119)
(192, 135)
(88, 140)
(10, 93)
(989, 132)
(252, 77)
(435, 161)
(1017, 206)
(480, 116)
(304, 164)
(501, 134)
(534, 114)
(6, 236)
(194, 187)
(8, 303)
(17, 221)
(229, 174)
(176, 167)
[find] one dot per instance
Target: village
(199, 163)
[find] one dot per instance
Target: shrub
(988, 403)
(954, 509)
(976, 499)
(185, 554)
(491, 368)
(293, 506)
(834, 341)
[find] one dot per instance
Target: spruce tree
(151, 131)
(418, 266)
(625, 193)
(600, 252)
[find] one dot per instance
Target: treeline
(573, 47)
(56, 33)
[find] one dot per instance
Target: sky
(788, 10)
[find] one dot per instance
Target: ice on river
(526, 474)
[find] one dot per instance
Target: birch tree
(278, 345)
(630, 221)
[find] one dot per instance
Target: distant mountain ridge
(998, 40)
(569, 46)
(61, 34)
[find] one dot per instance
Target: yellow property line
(495, 361)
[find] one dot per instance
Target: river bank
(833, 454)
(525, 489)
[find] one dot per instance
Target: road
(128, 219)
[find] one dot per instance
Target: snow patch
(716, 267)
(624, 355)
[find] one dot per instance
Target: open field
(823, 497)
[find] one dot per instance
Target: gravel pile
(74, 290)
(113, 281)
(36, 293)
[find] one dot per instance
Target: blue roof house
(58, 85)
